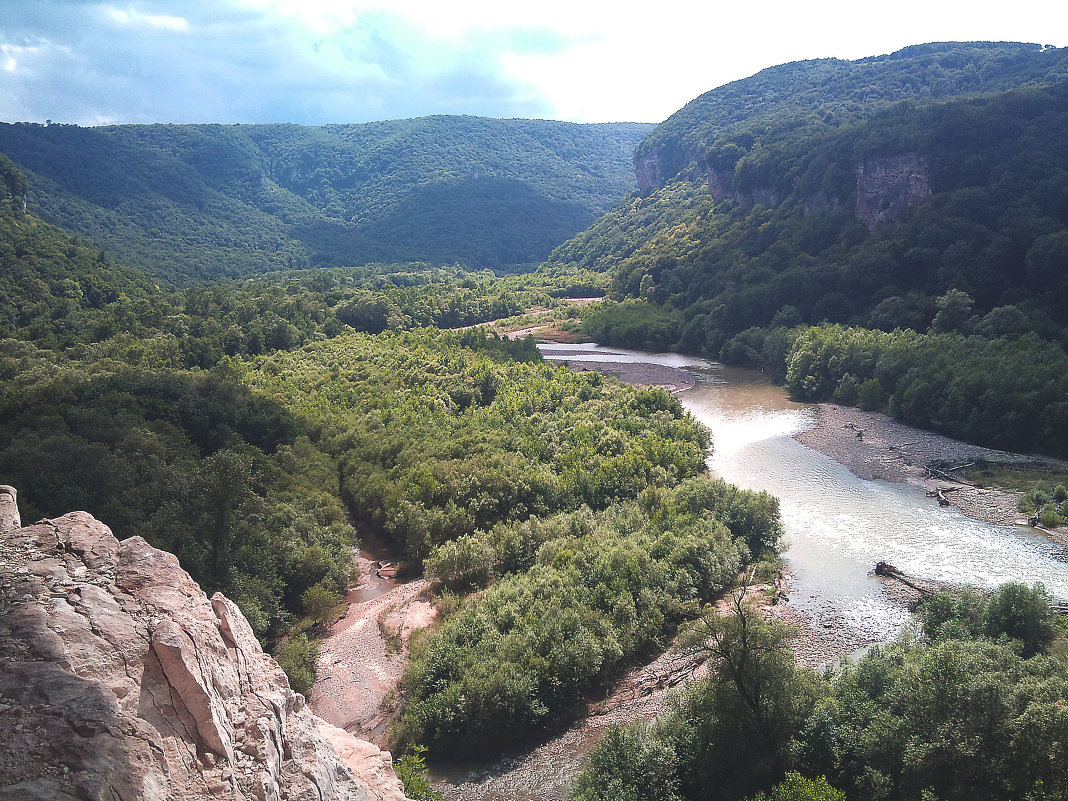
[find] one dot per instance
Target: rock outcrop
(888, 186)
(648, 172)
(120, 679)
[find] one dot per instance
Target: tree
(796, 787)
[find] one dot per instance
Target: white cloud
(134, 17)
(317, 61)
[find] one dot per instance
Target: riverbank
(635, 373)
(364, 655)
(875, 446)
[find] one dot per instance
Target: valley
(554, 458)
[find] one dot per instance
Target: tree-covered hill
(944, 213)
(190, 202)
(824, 93)
(868, 223)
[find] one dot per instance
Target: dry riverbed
(364, 655)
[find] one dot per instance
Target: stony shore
(640, 374)
(873, 445)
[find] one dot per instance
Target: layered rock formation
(120, 679)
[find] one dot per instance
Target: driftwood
(941, 493)
(947, 475)
(887, 570)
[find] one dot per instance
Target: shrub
(298, 657)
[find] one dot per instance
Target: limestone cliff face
(120, 679)
(648, 171)
(888, 186)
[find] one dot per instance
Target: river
(837, 526)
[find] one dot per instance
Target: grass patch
(1013, 477)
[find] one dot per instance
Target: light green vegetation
(579, 595)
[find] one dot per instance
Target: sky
(96, 62)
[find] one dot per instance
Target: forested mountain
(806, 195)
(191, 202)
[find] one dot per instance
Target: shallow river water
(838, 525)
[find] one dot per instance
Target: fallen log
(887, 570)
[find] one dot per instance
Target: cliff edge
(120, 679)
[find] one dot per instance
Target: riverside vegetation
(975, 707)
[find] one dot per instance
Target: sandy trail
(363, 657)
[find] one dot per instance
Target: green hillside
(191, 202)
(946, 216)
(822, 94)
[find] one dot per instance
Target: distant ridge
(196, 202)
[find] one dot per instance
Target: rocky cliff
(120, 679)
(888, 186)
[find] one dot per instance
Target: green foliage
(961, 715)
(194, 462)
(439, 435)
(318, 600)
(298, 657)
(1046, 502)
(411, 770)
(629, 764)
(601, 589)
(796, 787)
(1005, 392)
(632, 324)
(1015, 611)
(194, 202)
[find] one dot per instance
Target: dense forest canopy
(189, 203)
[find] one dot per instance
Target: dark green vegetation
(196, 202)
(976, 709)
(828, 203)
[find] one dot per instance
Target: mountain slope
(201, 201)
(887, 210)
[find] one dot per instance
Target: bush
(318, 600)
(629, 764)
(462, 563)
(796, 787)
(298, 657)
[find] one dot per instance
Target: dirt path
(362, 659)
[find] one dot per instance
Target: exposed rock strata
(120, 679)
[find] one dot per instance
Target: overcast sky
(319, 61)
